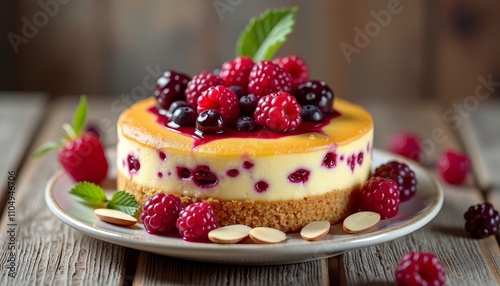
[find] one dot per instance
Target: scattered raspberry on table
(420, 268)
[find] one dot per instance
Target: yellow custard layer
(273, 161)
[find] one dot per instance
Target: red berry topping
(237, 71)
(420, 268)
(196, 221)
(84, 159)
(160, 213)
(296, 67)
(222, 99)
(198, 84)
(406, 145)
(267, 78)
(380, 195)
(482, 220)
(453, 167)
(317, 93)
(402, 175)
(278, 111)
(169, 88)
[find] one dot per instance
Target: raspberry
(380, 195)
(198, 84)
(160, 213)
(482, 220)
(296, 67)
(453, 167)
(169, 88)
(196, 221)
(318, 93)
(402, 175)
(237, 71)
(420, 268)
(406, 145)
(266, 78)
(278, 111)
(222, 99)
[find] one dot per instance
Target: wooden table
(51, 253)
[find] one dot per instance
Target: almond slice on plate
(115, 217)
(315, 230)
(360, 221)
(267, 235)
(229, 234)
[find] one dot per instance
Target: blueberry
(176, 104)
(238, 90)
(245, 124)
(210, 121)
(317, 93)
(184, 116)
(248, 103)
(311, 113)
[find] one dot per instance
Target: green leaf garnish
(45, 148)
(80, 116)
(89, 192)
(124, 202)
(94, 194)
(265, 34)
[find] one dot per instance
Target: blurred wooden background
(426, 49)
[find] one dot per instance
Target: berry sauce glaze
(262, 133)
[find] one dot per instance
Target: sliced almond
(360, 221)
(315, 230)
(115, 217)
(229, 234)
(266, 235)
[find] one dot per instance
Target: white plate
(412, 215)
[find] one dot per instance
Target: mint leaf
(89, 192)
(80, 116)
(45, 148)
(124, 202)
(265, 34)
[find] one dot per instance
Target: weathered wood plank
(19, 117)
(160, 270)
(48, 252)
(445, 235)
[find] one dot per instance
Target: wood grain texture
(48, 251)
(445, 235)
(154, 269)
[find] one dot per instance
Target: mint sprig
(92, 193)
(265, 34)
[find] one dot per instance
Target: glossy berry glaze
(314, 159)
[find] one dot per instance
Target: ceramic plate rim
(328, 247)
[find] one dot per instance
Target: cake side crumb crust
(287, 215)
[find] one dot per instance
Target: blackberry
(402, 175)
(482, 220)
(169, 88)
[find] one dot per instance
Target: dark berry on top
(184, 116)
(482, 220)
(238, 90)
(169, 88)
(266, 78)
(311, 113)
(317, 93)
(198, 84)
(210, 121)
(237, 71)
(221, 99)
(248, 103)
(176, 104)
(245, 124)
(402, 175)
